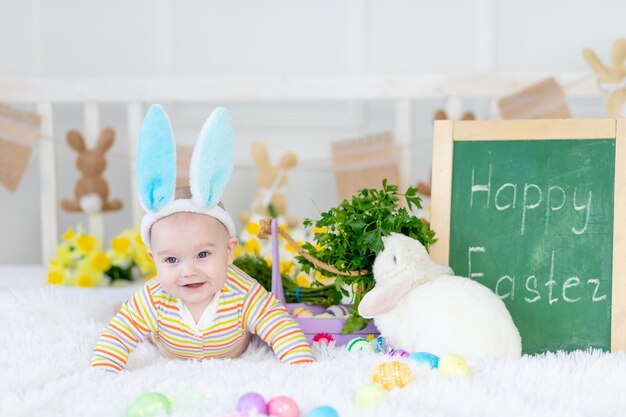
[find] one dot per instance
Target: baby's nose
(188, 270)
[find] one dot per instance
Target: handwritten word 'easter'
(569, 289)
(553, 198)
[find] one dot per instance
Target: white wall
(101, 38)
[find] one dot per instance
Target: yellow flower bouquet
(81, 261)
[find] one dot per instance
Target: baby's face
(192, 253)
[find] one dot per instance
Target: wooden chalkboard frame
(447, 132)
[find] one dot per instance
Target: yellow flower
(238, 251)
(285, 267)
(86, 243)
(286, 229)
(291, 248)
(253, 228)
(55, 278)
(252, 246)
(323, 279)
(303, 281)
(64, 255)
(138, 240)
(69, 234)
(100, 261)
(145, 263)
(84, 280)
(120, 245)
(317, 230)
(318, 247)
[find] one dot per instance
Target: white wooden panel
(134, 115)
(49, 204)
(404, 133)
(20, 34)
(260, 37)
(105, 37)
(536, 34)
(409, 36)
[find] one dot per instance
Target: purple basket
(312, 326)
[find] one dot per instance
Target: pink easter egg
(283, 406)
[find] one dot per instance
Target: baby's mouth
(195, 285)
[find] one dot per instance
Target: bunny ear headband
(209, 172)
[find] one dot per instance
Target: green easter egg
(149, 405)
(359, 343)
(369, 395)
(453, 365)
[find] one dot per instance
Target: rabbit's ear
(76, 141)
(289, 160)
(212, 159)
(156, 160)
(260, 156)
(383, 298)
(618, 53)
(105, 140)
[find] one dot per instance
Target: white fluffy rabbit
(420, 306)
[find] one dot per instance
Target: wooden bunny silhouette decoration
(611, 79)
(270, 180)
(91, 190)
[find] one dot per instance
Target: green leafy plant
(256, 267)
(351, 237)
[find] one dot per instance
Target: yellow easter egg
(392, 374)
(302, 313)
(453, 365)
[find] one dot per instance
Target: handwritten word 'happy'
(553, 197)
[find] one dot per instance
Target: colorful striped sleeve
(136, 319)
(265, 316)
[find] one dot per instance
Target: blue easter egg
(323, 411)
(380, 344)
(425, 358)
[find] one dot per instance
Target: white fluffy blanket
(46, 336)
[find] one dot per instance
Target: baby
(199, 305)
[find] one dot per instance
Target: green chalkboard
(533, 220)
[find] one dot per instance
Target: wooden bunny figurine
(91, 191)
(611, 79)
(271, 179)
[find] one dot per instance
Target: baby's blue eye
(170, 260)
(203, 254)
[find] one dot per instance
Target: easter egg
(392, 374)
(398, 353)
(380, 344)
(301, 313)
(337, 310)
(324, 316)
(453, 365)
(323, 411)
(283, 406)
(425, 358)
(252, 401)
(359, 343)
(150, 404)
(369, 395)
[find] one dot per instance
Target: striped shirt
(243, 307)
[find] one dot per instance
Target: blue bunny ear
(155, 162)
(212, 159)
